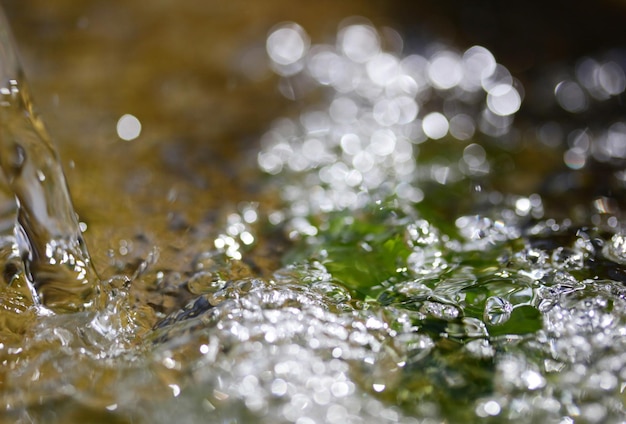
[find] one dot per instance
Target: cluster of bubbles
(363, 143)
(279, 351)
(300, 348)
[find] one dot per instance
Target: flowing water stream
(415, 281)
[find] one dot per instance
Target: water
(415, 286)
(57, 266)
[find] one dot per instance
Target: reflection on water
(424, 276)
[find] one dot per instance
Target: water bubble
(497, 310)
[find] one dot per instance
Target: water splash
(382, 312)
(56, 261)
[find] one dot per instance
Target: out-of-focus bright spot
(351, 143)
(570, 96)
(462, 127)
(329, 68)
(575, 158)
(128, 127)
(343, 110)
(550, 134)
(416, 66)
(435, 125)
(175, 389)
(579, 138)
(499, 76)
(503, 100)
(246, 238)
(611, 78)
(359, 43)
(523, 206)
(445, 70)
(383, 69)
(378, 387)
(287, 44)
(492, 408)
(478, 63)
(586, 73)
(382, 142)
(362, 143)
(612, 144)
(408, 192)
(474, 155)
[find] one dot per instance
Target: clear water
(417, 285)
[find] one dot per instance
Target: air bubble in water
(497, 310)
